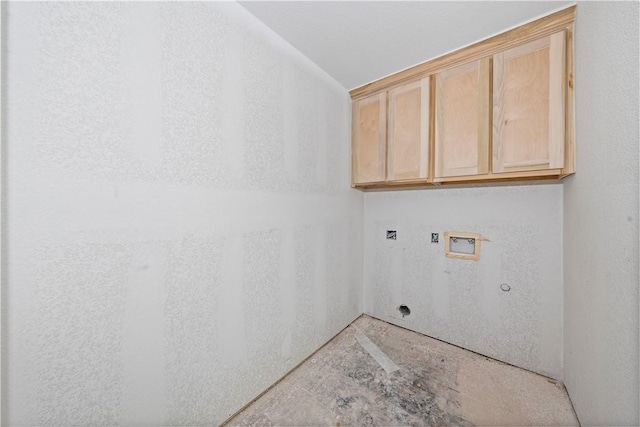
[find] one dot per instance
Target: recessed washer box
(462, 244)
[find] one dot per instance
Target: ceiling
(357, 42)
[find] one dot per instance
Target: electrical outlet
(435, 237)
(391, 235)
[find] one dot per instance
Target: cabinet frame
(562, 21)
(424, 85)
(555, 44)
(381, 99)
(483, 103)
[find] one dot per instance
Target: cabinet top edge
(535, 29)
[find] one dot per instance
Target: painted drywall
(179, 230)
(2, 17)
(601, 219)
(460, 301)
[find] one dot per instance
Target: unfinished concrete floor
(437, 384)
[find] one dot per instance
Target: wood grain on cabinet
(408, 142)
(369, 139)
(499, 110)
(529, 106)
(462, 120)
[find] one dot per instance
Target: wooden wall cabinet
(369, 139)
(462, 120)
(408, 141)
(529, 106)
(501, 109)
(392, 144)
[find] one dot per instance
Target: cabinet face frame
(361, 147)
(480, 137)
(569, 151)
(419, 143)
(552, 48)
(561, 21)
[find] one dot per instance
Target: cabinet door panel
(462, 120)
(528, 106)
(369, 136)
(408, 131)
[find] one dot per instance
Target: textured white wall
(179, 229)
(460, 301)
(601, 219)
(2, 349)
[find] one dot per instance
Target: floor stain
(343, 403)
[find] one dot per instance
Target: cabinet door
(408, 151)
(369, 139)
(462, 120)
(529, 106)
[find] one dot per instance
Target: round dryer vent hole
(404, 310)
